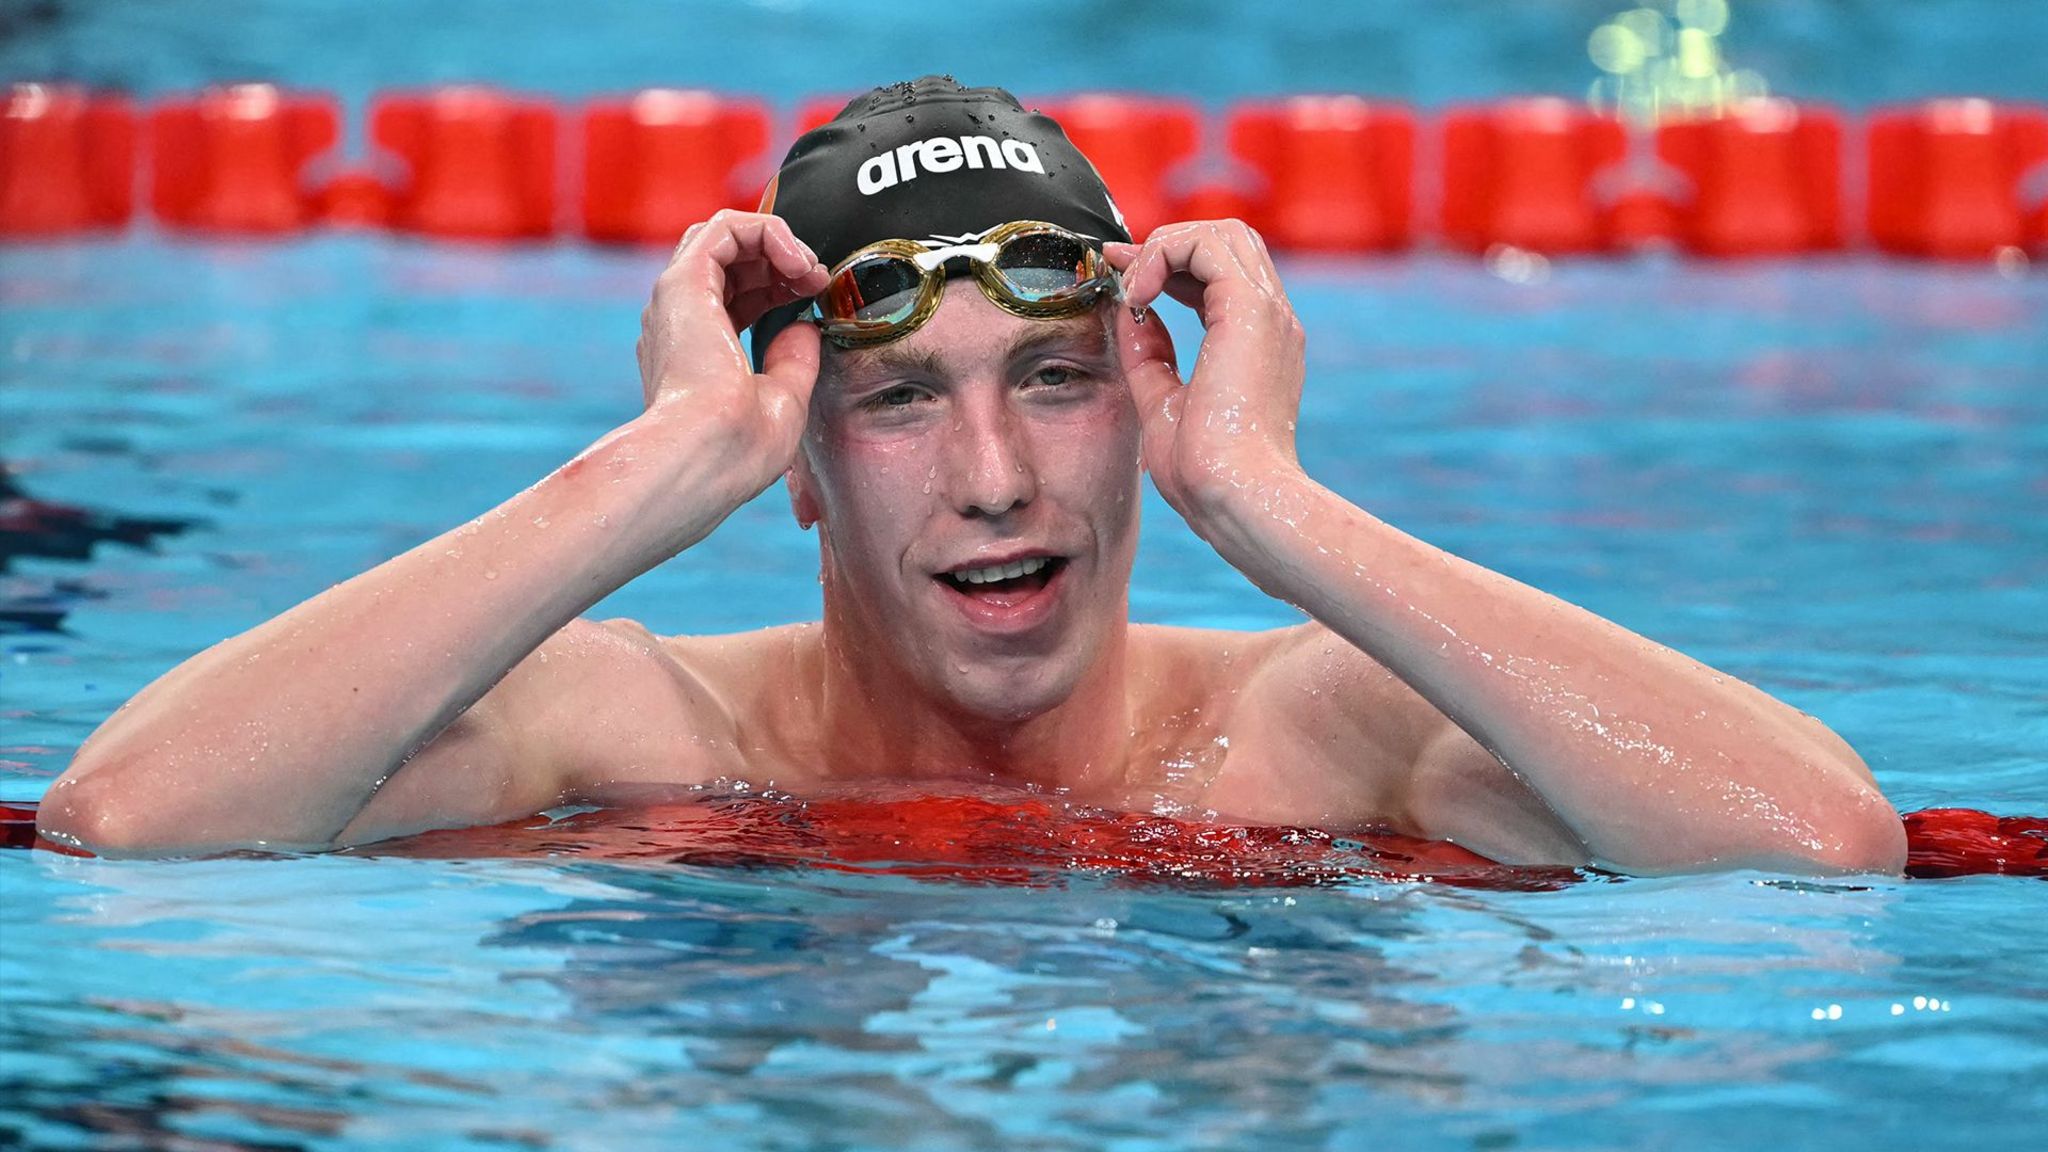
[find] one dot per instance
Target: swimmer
(954, 369)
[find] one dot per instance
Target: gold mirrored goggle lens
(881, 289)
(1039, 267)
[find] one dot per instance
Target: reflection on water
(272, 1003)
(46, 530)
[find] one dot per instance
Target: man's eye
(1055, 376)
(901, 396)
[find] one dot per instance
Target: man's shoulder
(731, 653)
(617, 660)
(1174, 668)
(707, 685)
(1263, 667)
(1209, 647)
(757, 675)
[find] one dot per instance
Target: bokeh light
(1665, 59)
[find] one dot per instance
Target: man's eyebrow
(896, 360)
(1076, 331)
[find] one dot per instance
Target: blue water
(1823, 476)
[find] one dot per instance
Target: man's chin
(1009, 695)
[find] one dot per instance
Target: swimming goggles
(1029, 268)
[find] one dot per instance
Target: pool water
(1824, 476)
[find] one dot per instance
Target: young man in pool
(964, 421)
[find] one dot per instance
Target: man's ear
(803, 490)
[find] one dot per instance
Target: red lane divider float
(480, 163)
(355, 198)
(1338, 170)
(983, 840)
(1765, 179)
(234, 159)
(662, 160)
(67, 161)
(1968, 842)
(1949, 178)
(1134, 142)
(1521, 173)
(816, 111)
(1959, 179)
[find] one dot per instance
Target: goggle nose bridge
(984, 253)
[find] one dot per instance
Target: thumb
(1150, 366)
(792, 363)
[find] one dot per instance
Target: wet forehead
(990, 338)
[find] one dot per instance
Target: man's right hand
(725, 274)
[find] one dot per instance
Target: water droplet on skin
(490, 573)
(540, 521)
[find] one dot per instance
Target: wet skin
(975, 489)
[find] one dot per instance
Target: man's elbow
(1851, 829)
(1869, 838)
(91, 810)
(108, 809)
(1854, 833)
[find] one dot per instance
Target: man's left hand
(1220, 438)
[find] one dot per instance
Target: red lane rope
(1952, 178)
(1968, 842)
(1032, 842)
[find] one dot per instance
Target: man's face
(942, 465)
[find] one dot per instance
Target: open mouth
(1000, 583)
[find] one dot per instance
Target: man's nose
(989, 460)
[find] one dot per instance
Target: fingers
(1120, 254)
(689, 234)
(752, 289)
(737, 255)
(730, 236)
(747, 307)
(1213, 266)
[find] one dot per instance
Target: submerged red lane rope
(1968, 842)
(1032, 842)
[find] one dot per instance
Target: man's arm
(1655, 762)
(281, 737)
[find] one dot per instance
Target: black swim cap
(930, 160)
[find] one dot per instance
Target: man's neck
(880, 724)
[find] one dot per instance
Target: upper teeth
(1000, 571)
